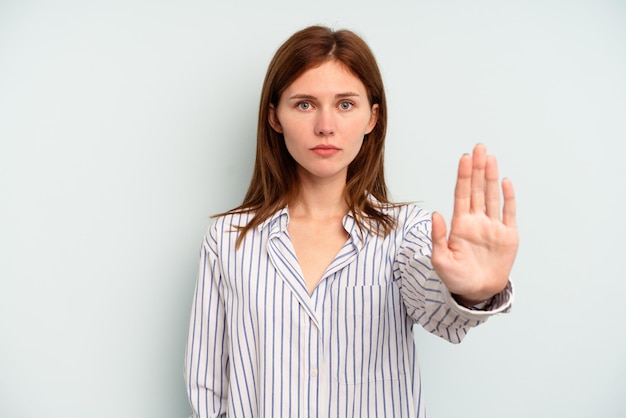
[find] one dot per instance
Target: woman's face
(324, 115)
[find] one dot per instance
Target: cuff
(499, 303)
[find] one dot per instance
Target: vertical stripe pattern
(261, 346)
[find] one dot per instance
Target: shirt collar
(357, 233)
(278, 222)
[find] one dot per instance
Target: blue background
(125, 124)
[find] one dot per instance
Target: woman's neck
(320, 199)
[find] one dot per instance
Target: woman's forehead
(329, 77)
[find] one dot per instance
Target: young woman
(308, 291)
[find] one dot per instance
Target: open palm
(475, 260)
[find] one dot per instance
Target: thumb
(438, 233)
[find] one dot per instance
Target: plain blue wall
(124, 124)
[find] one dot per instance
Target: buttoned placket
(316, 367)
(282, 254)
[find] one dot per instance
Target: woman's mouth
(325, 150)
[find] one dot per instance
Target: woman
(308, 291)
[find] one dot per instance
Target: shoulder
(407, 215)
(226, 228)
(228, 221)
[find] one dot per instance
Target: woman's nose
(325, 122)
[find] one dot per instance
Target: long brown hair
(275, 181)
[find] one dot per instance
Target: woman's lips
(325, 150)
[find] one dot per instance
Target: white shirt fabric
(261, 346)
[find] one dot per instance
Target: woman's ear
(272, 118)
(373, 119)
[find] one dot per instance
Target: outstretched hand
(475, 260)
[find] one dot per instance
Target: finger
(509, 210)
(438, 234)
(492, 192)
(479, 158)
(462, 191)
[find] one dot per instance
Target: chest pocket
(366, 337)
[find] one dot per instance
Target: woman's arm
(450, 284)
(206, 359)
(425, 297)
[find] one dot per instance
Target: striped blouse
(261, 346)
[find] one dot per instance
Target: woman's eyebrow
(347, 94)
(302, 96)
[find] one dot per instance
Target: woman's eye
(345, 105)
(304, 105)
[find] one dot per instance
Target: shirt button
(314, 372)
